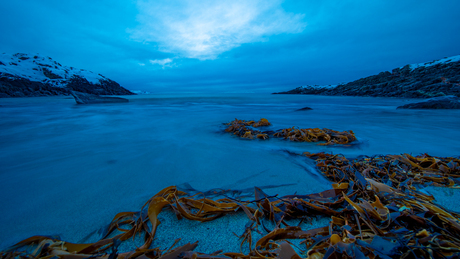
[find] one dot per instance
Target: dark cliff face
(13, 86)
(422, 82)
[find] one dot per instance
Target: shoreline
(330, 92)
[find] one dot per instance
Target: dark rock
(104, 87)
(19, 94)
(44, 65)
(85, 98)
(13, 86)
(304, 109)
(444, 102)
(305, 90)
(50, 74)
(298, 90)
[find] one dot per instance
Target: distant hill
(424, 80)
(23, 75)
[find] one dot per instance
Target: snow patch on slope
(435, 62)
(43, 69)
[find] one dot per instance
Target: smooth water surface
(67, 169)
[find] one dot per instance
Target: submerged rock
(445, 102)
(304, 109)
(85, 98)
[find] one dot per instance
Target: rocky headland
(23, 75)
(425, 80)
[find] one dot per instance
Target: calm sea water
(67, 169)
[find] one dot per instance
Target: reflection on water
(65, 169)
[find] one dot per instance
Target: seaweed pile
(375, 208)
(246, 129)
(387, 215)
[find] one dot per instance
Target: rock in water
(304, 109)
(445, 102)
(84, 98)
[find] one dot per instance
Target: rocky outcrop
(445, 102)
(85, 98)
(307, 90)
(22, 75)
(433, 79)
(11, 86)
(103, 87)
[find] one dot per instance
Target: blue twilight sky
(232, 45)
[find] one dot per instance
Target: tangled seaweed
(246, 129)
(331, 137)
(388, 210)
(376, 211)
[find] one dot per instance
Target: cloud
(206, 28)
(162, 62)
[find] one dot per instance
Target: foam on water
(68, 169)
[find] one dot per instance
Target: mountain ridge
(423, 80)
(23, 75)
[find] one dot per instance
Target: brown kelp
(387, 208)
(374, 206)
(331, 137)
(246, 129)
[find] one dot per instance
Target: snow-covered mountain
(34, 75)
